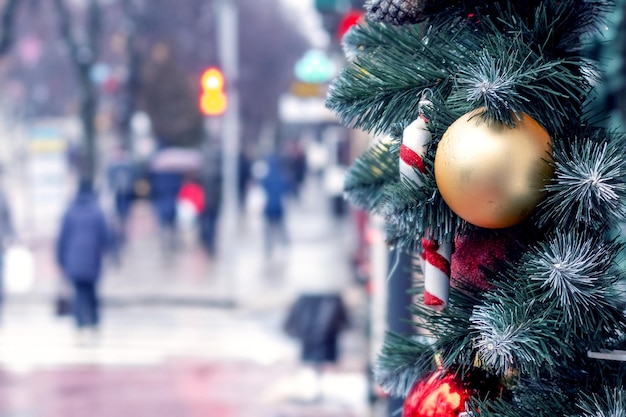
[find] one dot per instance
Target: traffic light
(213, 100)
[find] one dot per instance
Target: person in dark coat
(297, 168)
(211, 180)
(121, 177)
(164, 188)
(317, 321)
(244, 174)
(81, 245)
(276, 186)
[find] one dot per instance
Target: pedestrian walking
(244, 174)
(212, 184)
(276, 186)
(189, 207)
(121, 177)
(190, 197)
(82, 242)
(164, 189)
(168, 167)
(297, 167)
(317, 320)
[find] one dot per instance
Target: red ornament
(476, 251)
(439, 394)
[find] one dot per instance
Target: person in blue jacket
(276, 186)
(83, 240)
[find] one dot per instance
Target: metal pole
(398, 301)
(228, 50)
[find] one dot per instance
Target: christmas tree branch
(367, 177)
(589, 186)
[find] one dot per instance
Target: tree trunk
(88, 107)
(132, 83)
(84, 57)
(7, 20)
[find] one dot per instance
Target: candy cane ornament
(415, 138)
(436, 272)
(437, 256)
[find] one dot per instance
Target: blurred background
(232, 279)
(174, 237)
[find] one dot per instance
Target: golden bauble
(491, 174)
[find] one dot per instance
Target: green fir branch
(501, 71)
(555, 298)
(608, 403)
(402, 361)
(589, 183)
(507, 76)
(537, 398)
(359, 40)
(516, 337)
(571, 329)
(403, 210)
(380, 89)
(556, 26)
(574, 276)
(449, 327)
(405, 359)
(369, 174)
(412, 212)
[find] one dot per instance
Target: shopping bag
(18, 269)
(63, 305)
(63, 300)
(186, 214)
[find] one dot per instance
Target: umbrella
(176, 159)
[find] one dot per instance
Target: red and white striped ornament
(437, 256)
(415, 138)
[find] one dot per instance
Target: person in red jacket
(191, 193)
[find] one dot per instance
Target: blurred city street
(186, 335)
(157, 116)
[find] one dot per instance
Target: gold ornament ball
(491, 174)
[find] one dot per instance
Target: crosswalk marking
(29, 338)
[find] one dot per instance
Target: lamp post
(228, 50)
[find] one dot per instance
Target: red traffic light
(213, 100)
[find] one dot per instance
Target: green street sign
(314, 67)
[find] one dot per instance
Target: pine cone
(396, 12)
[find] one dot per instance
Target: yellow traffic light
(213, 100)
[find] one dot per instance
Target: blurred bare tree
(132, 84)
(7, 24)
(83, 50)
(170, 101)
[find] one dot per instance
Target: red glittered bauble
(475, 252)
(438, 394)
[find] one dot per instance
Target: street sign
(315, 67)
(302, 89)
(294, 109)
